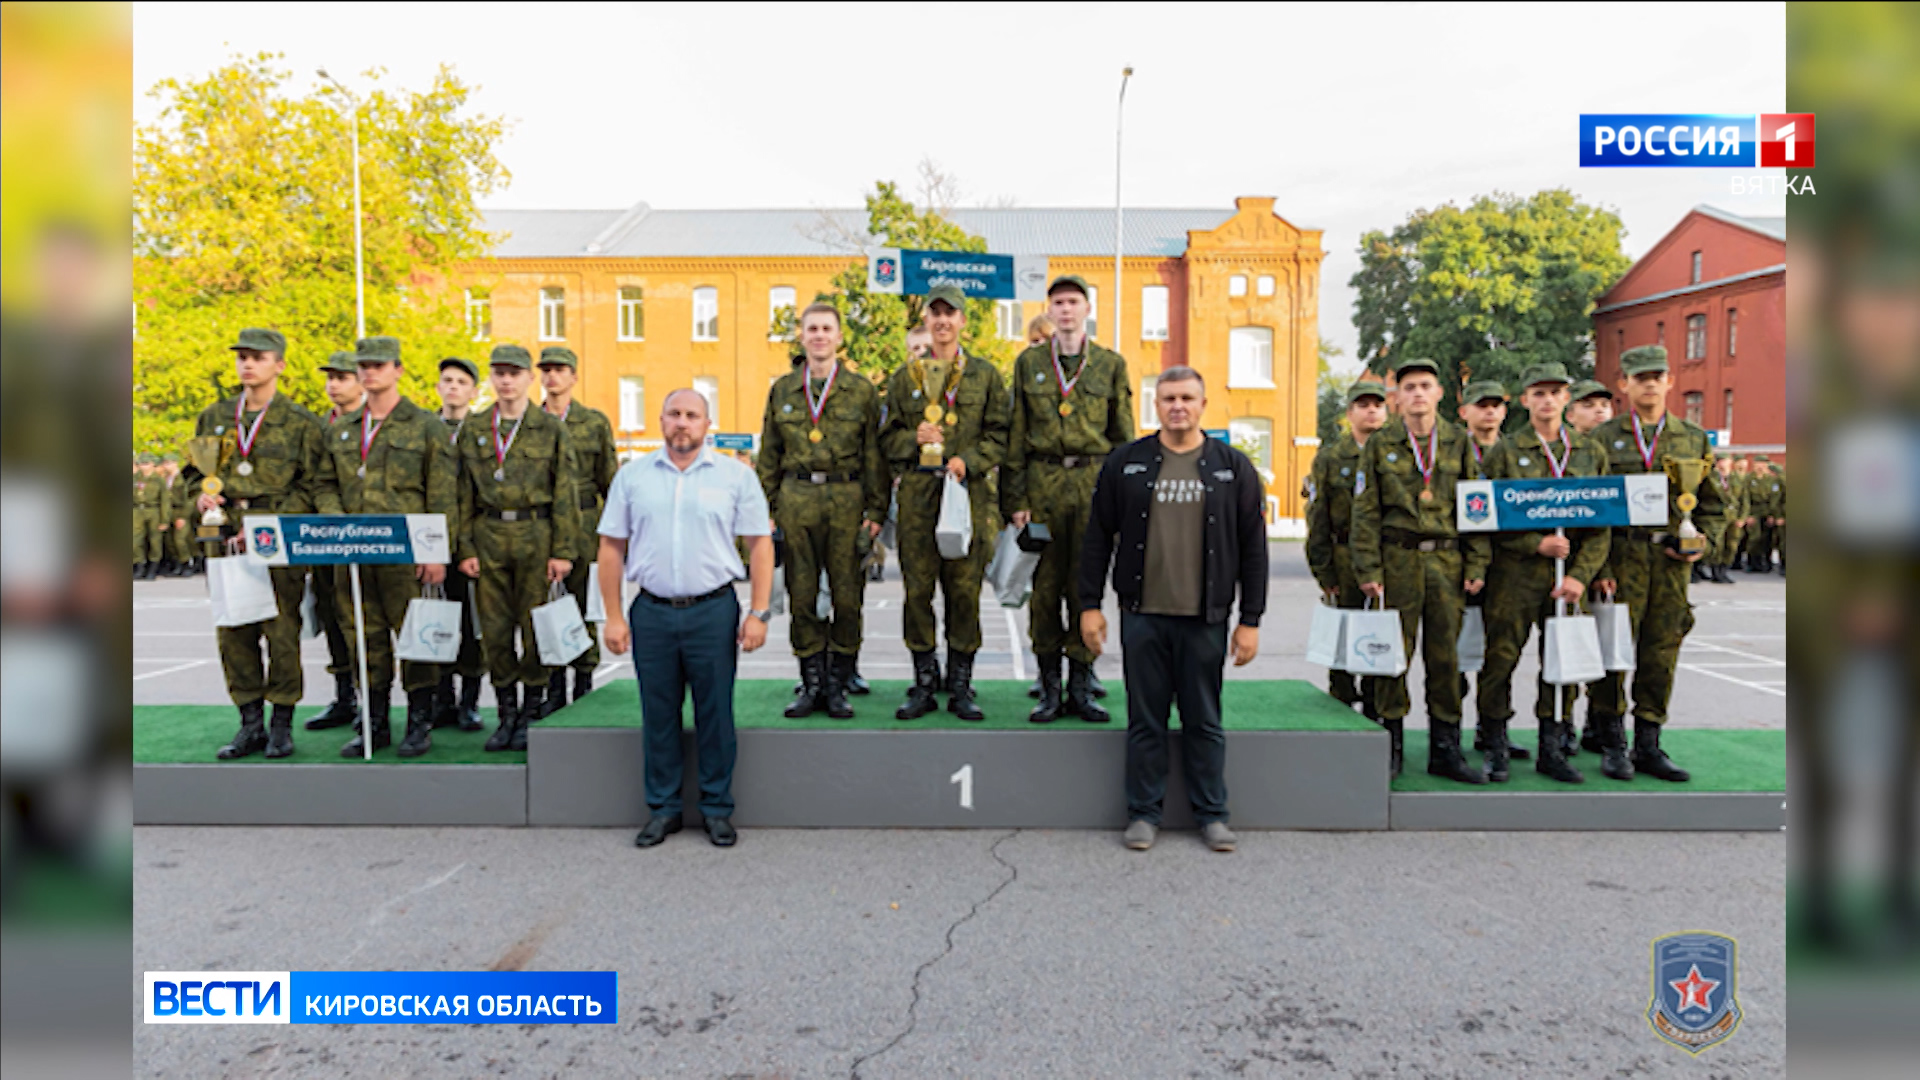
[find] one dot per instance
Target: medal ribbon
(814, 409)
(368, 429)
(1066, 385)
(1647, 448)
(1566, 446)
(243, 434)
(500, 448)
(1426, 464)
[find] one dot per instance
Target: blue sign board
(333, 539)
(908, 272)
(733, 440)
(1573, 502)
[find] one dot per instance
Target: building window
(706, 314)
(1696, 337)
(1696, 406)
(633, 317)
(1660, 333)
(1093, 311)
(1263, 285)
(1149, 416)
(1726, 420)
(1619, 342)
(708, 386)
(553, 314)
(1153, 313)
(1009, 321)
(1250, 357)
(1237, 285)
(480, 313)
(1696, 268)
(1253, 437)
(1733, 329)
(779, 298)
(633, 403)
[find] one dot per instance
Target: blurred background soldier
(1483, 409)
(1714, 568)
(1331, 486)
(178, 546)
(458, 381)
(595, 461)
(1592, 405)
(344, 391)
(149, 505)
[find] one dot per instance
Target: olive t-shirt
(1176, 538)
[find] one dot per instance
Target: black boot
(1593, 737)
(582, 683)
(419, 737)
(1093, 683)
(1494, 734)
(533, 706)
(856, 682)
(1698, 575)
(252, 737)
(280, 732)
(185, 569)
(960, 687)
(1570, 740)
(1614, 764)
(507, 696)
(1396, 732)
(378, 704)
(811, 696)
(1444, 758)
(1553, 762)
(199, 564)
(1033, 688)
(1720, 574)
(1080, 699)
(1049, 708)
(556, 698)
(838, 670)
(926, 679)
(1481, 744)
(1648, 758)
(344, 709)
(468, 714)
(444, 710)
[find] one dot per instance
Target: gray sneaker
(1140, 835)
(1218, 836)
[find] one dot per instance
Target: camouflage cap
(1544, 373)
(261, 340)
(1483, 389)
(1643, 360)
(170, 459)
(1587, 388)
(510, 356)
(950, 294)
(377, 350)
(1418, 363)
(1069, 281)
(1763, 459)
(341, 362)
(468, 366)
(558, 356)
(1365, 388)
(147, 457)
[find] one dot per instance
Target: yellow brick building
(652, 300)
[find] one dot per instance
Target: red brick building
(1714, 292)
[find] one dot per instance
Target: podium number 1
(965, 779)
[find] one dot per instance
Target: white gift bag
(1472, 645)
(596, 604)
(1011, 571)
(310, 613)
(777, 599)
(1616, 636)
(559, 629)
(430, 633)
(1374, 646)
(823, 600)
(241, 590)
(1573, 651)
(954, 534)
(1327, 637)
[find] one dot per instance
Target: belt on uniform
(822, 477)
(258, 502)
(1650, 536)
(1070, 461)
(589, 502)
(534, 513)
(1414, 542)
(685, 601)
(930, 469)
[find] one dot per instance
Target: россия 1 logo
(1696, 140)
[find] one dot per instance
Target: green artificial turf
(1248, 705)
(1720, 761)
(190, 734)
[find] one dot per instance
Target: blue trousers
(676, 649)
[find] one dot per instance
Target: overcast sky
(1350, 116)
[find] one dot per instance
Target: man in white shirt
(678, 510)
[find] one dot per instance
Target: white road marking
(1765, 688)
(1764, 661)
(171, 670)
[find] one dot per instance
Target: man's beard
(682, 443)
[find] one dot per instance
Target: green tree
(1331, 394)
(1489, 289)
(243, 211)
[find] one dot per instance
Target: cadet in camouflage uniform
(1330, 487)
(149, 505)
(1592, 405)
(959, 403)
(328, 582)
(458, 380)
(393, 463)
(1483, 410)
(1406, 549)
(1767, 499)
(173, 524)
(1736, 534)
(1643, 571)
(270, 449)
(595, 461)
(827, 486)
(1734, 498)
(1521, 584)
(1071, 404)
(519, 532)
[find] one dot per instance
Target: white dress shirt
(680, 525)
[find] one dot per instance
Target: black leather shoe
(657, 828)
(280, 732)
(720, 831)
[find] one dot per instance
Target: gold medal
(814, 435)
(1066, 408)
(948, 419)
(1426, 495)
(933, 414)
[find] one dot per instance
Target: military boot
(507, 697)
(856, 682)
(1049, 708)
(1720, 574)
(1593, 738)
(1697, 575)
(926, 679)
(1080, 699)
(1482, 744)
(252, 736)
(1444, 758)
(467, 717)
(811, 696)
(1094, 684)
(1034, 688)
(444, 711)
(419, 738)
(1494, 734)
(344, 709)
(1396, 735)
(556, 695)
(280, 732)
(533, 704)
(960, 692)
(1649, 759)
(838, 670)
(378, 705)
(1614, 763)
(1553, 760)
(582, 683)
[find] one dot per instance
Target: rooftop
(1775, 227)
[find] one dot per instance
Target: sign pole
(360, 646)
(1559, 609)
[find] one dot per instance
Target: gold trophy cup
(933, 455)
(1686, 474)
(205, 454)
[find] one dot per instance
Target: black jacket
(1236, 529)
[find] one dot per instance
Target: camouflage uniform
(1051, 465)
(149, 508)
(471, 665)
(1766, 495)
(178, 518)
(1733, 496)
(590, 434)
(1330, 485)
(328, 584)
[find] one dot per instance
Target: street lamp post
(359, 258)
(1119, 117)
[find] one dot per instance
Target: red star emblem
(1694, 991)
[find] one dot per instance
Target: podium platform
(1296, 759)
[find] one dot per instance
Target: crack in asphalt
(913, 1006)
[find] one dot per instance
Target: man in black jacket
(1178, 518)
